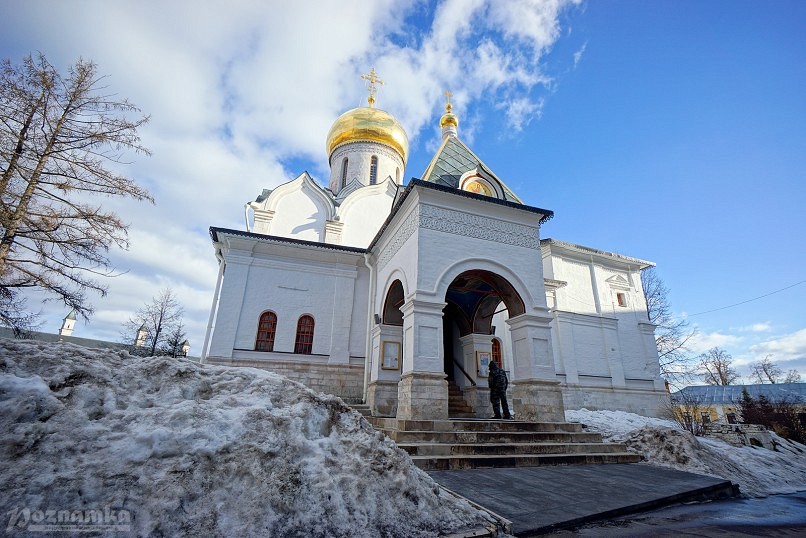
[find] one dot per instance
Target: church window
(373, 170)
(478, 185)
(344, 172)
(622, 299)
(497, 352)
(304, 341)
(397, 175)
(266, 328)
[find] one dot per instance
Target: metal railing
(463, 371)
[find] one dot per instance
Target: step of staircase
(361, 408)
(457, 406)
(450, 463)
(469, 444)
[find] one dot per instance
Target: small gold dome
(367, 124)
(449, 118)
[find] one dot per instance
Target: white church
(397, 295)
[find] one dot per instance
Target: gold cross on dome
(373, 79)
(448, 96)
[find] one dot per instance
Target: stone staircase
(457, 406)
(361, 407)
(470, 444)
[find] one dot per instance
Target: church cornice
(546, 214)
(215, 231)
(579, 249)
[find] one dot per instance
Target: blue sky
(668, 131)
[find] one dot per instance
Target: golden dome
(449, 118)
(367, 124)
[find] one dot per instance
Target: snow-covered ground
(758, 471)
(168, 447)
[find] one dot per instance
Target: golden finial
(448, 95)
(449, 122)
(373, 79)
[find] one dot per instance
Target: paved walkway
(540, 499)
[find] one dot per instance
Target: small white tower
(68, 323)
(140, 339)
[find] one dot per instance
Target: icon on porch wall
(390, 359)
(483, 363)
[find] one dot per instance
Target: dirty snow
(191, 450)
(758, 471)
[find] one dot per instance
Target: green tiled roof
(452, 160)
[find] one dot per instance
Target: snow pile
(189, 450)
(758, 471)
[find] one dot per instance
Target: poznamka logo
(86, 520)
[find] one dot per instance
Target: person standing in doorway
(498, 391)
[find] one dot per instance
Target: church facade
(392, 294)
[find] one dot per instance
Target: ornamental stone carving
(403, 232)
(469, 225)
(460, 223)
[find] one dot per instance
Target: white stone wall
(363, 213)
(343, 380)
(291, 281)
(301, 209)
(604, 353)
(359, 155)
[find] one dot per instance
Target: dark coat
(497, 379)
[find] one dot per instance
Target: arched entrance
(474, 298)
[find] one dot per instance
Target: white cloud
(783, 348)
(578, 54)
(702, 341)
(757, 327)
(521, 111)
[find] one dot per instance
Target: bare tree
(59, 137)
(793, 376)
(161, 319)
(715, 367)
(690, 412)
(766, 371)
(671, 334)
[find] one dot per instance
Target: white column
(536, 393)
(382, 391)
(213, 310)
(423, 389)
(343, 295)
(228, 316)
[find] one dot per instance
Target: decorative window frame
(620, 288)
(373, 170)
(496, 342)
(344, 164)
(483, 178)
(272, 334)
(298, 343)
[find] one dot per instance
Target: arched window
(344, 172)
(373, 170)
(304, 341)
(266, 328)
(391, 306)
(397, 175)
(497, 352)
